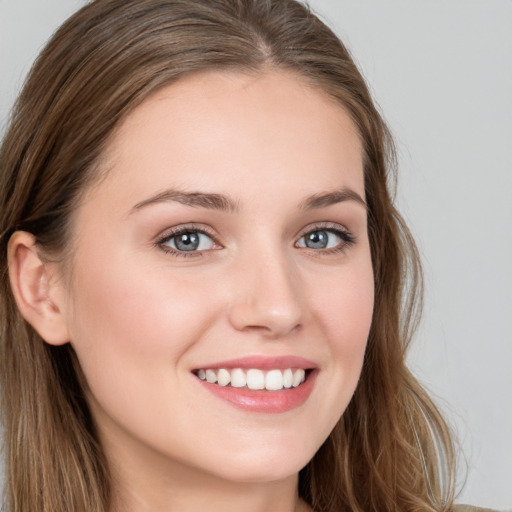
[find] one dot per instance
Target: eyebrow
(325, 199)
(221, 202)
(194, 199)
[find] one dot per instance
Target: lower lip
(262, 400)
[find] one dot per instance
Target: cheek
(127, 318)
(344, 311)
(346, 307)
(134, 300)
(131, 329)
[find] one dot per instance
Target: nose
(267, 296)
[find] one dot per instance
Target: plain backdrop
(441, 72)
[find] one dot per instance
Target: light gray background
(441, 70)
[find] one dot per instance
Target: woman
(208, 293)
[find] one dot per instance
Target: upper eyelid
(177, 230)
(326, 225)
(202, 228)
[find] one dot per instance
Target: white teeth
(271, 380)
(238, 378)
(255, 379)
(223, 377)
(211, 376)
(287, 378)
(298, 377)
(274, 380)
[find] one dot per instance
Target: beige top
(469, 508)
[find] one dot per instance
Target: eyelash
(347, 239)
(182, 230)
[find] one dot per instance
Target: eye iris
(317, 240)
(187, 242)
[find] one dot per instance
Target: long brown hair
(391, 450)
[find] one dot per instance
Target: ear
(38, 294)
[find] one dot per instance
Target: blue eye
(188, 241)
(321, 239)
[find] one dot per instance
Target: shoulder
(469, 508)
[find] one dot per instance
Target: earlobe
(34, 289)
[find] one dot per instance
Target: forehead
(222, 130)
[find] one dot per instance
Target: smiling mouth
(254, 378)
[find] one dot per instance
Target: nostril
(268, 322)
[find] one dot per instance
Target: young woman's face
(228, 241)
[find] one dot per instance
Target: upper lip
(263, 363)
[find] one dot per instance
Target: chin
(264, 465)
(264, 473)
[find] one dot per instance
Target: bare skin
(281, 270)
